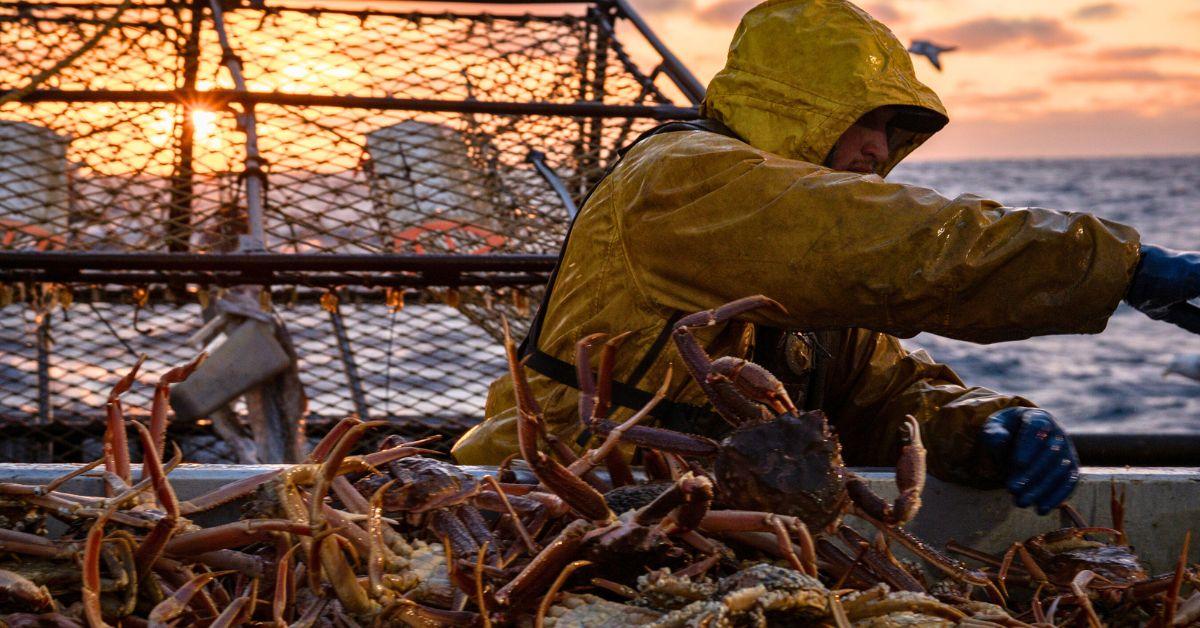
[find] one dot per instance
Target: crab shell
(790, 466)
(1064, 553)
(418, 484)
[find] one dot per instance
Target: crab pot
(1161, 505)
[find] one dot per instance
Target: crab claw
(910, 479)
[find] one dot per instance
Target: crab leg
(541, 571)
(944, 563)
(232, 615)
(377, 553)
(116, 446)
(1117, 509)
(548, 599)
(755, 382)
(784, 528)
(325, 475)
(173, 607)
(57, 482)
(357, 504)
(910, 479)
(91, 573)
(453, 532)
(894, 576)
(162, 390)
(330, 558)
(32, 545)
(1079, 586)
(577, 493)
(411, 613)
(658, 438)
(1172, 601)
(687, 501)
(284, 586)
(233, 534)
(701, 365)
(608, 360)
(593, 407)
(152, 546)
(862, 607)
(16, 587)
(228, 493)
(522, 531)
(332, 438)
(592, 458)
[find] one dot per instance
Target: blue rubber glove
(1163, 283)
(1039, 460)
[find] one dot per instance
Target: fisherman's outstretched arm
(874, 383)
(704, 219)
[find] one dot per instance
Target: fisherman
(779, 190)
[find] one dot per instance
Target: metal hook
(144, 332)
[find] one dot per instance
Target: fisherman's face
(864, 146)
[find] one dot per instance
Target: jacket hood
(800, 72)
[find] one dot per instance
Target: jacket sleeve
(705, 219)
(874, 383)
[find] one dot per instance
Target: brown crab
(778, 459)
(780, 471)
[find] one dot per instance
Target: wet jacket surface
(690, 220)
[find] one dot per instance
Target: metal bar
(45, 407)
(278, 279)
(219, 97)
(382, 262)
(646, 81)
(1138, 450)
(254, 174)
(330, 7)
(348, 364)
(594, 90)
(91, 6)
(538, 159)
(683, 77)
(179, 209)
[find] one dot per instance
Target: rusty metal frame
(170, 272)
(266, 269)
(305, 269)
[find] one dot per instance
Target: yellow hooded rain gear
(690, 220)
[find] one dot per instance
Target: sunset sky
(1031, 77)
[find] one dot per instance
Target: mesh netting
(135, 128)
(424, 366)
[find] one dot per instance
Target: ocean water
(1108, 382)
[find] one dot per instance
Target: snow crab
(779, 472)
(779, 459)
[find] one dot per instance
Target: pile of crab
(745, 531)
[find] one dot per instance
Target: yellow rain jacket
(690, 220)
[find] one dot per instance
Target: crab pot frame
(330, 164)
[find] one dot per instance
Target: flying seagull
(930, 50)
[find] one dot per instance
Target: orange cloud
(1007, 98)
(1140, 53)
(987, 33)
(885, 13)
(658, 7)
(726, 11)
(1099, 11)
(1125, 75)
